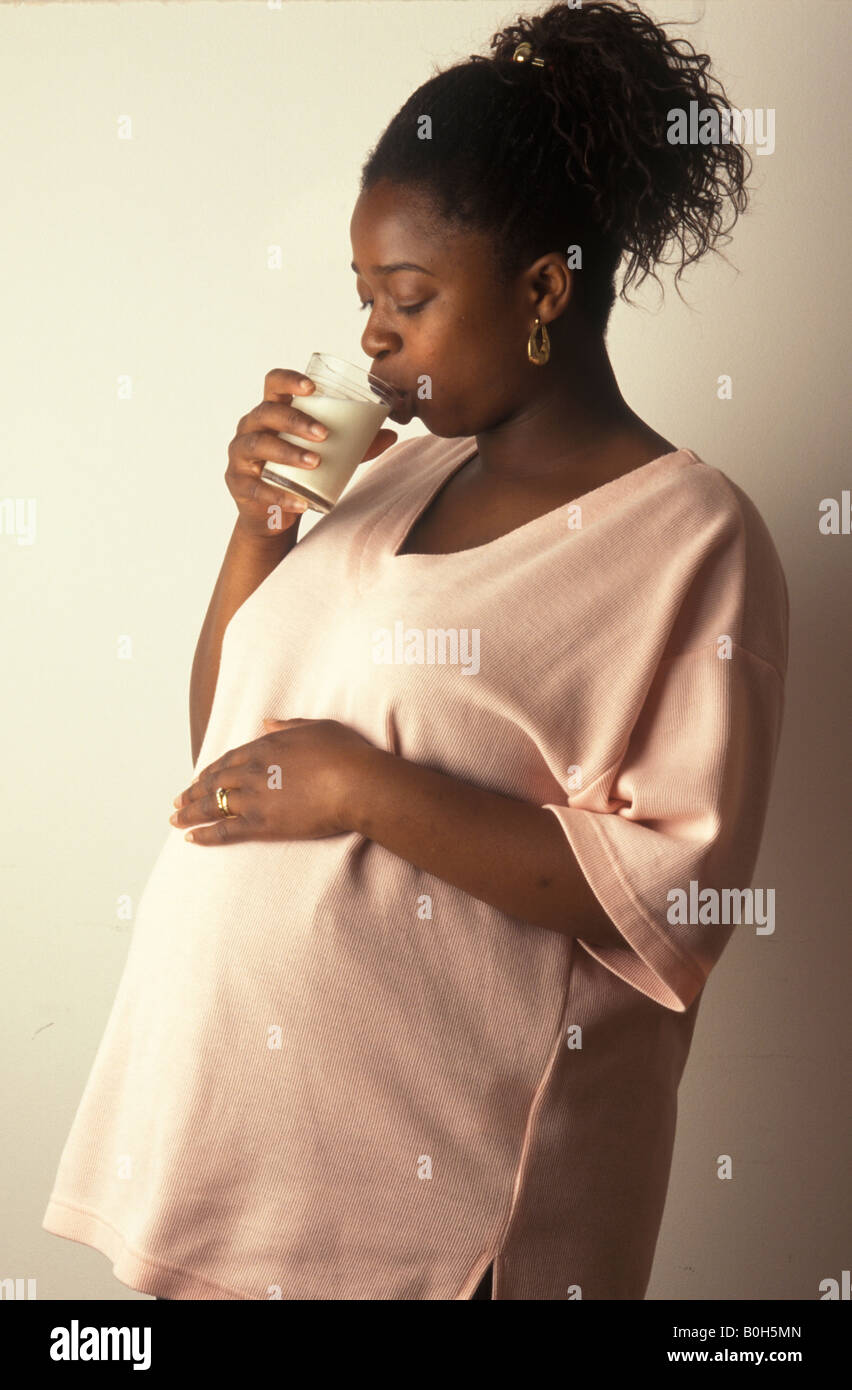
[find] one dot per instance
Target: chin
(404, 413)
(440, 426)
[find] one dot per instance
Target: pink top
(329, 1075)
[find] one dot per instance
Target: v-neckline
(410, 519)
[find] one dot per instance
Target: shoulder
(737, 559)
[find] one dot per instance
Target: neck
(579, 424)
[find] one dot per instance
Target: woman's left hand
(292, 784)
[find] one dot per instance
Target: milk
(352, 426)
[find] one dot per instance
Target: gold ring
(222, 801)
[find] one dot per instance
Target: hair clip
(523, 54)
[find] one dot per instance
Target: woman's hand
(292, 784)
(266, 510)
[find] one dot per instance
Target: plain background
(148, 259)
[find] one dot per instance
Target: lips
(402, 409)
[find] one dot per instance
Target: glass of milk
(353, 405)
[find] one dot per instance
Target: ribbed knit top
(330, 1075)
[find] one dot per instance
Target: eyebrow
(397, 265)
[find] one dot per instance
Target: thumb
(382, 441)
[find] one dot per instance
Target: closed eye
(401, 308)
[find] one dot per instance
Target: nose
(377, 342)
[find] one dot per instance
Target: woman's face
(440, 329)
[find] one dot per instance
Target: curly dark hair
(576, 152)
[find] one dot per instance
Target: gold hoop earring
(539, 353)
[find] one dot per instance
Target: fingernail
(311, 458)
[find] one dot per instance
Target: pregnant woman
(478, 760)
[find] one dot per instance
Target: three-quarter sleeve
(683, 812)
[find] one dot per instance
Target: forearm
(507, 853)
(248, 561)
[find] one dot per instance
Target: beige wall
(147, 258)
